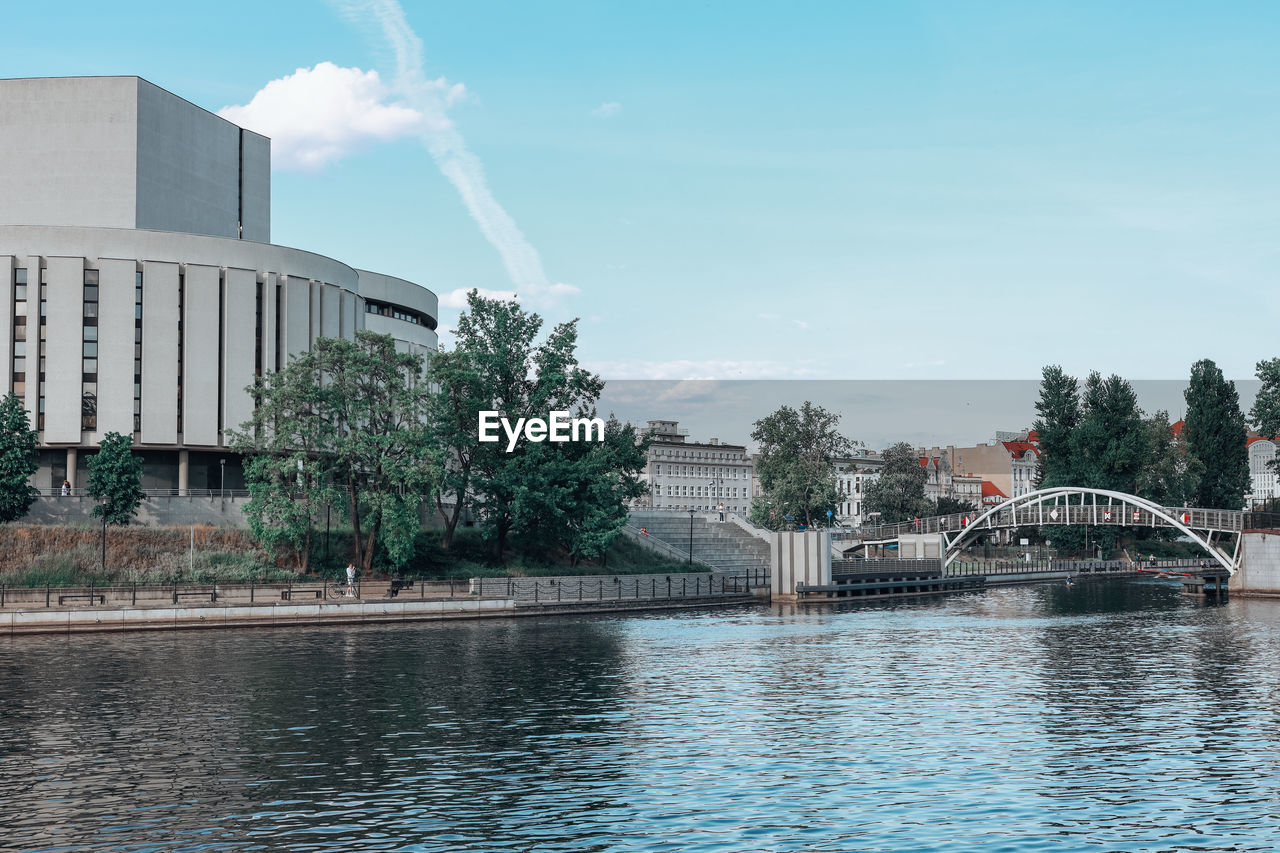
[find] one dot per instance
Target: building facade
(854, 475)
(1262, 476)
(702, 476)
(143, 294)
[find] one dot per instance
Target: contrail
(449, 150)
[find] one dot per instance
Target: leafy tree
(1170, 475)
(344, 418)
(288, 471)
(576, 494)
(18, 459)
(796, 464)
(946, 505)
(1109, 444)
(1265, 414)
(898, 493)
(1058, 411)
(452, 429)
(1216, 436)
(519, 379)
(115, 479)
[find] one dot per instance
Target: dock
(885, 583)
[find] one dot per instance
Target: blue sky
(745, 190)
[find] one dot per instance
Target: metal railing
(597, 588)
(57, 492)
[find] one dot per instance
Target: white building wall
(200, 306)
(297, 316)
(116, 306)
(330, 311)
(7, 266)
(238, 347)
(63, 374)
(159, 353)
(1262, 475)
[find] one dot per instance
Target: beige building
(1008, 462)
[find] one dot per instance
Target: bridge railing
(1116, 514)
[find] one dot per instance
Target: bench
(289, 594)
(396, 585)
(212, 594)
(92, 596)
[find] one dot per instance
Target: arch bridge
(1070, 505)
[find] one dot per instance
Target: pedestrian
(66, 488)
(351, 580)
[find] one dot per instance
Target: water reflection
(1108, 716)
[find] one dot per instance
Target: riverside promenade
(70, 610)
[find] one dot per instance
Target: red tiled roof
(1033, 436)
(1020, 448)
(1176, 427)
(1251, 439)
(991, 490)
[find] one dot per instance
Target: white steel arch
(1054, 494)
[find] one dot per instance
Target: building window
(137, 351)
(89, 354)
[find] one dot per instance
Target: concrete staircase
(721, 545)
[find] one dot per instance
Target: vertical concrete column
(71, 468)
(184, 471)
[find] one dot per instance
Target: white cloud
(608, 109)
(316, 116)
(801, 323)
(458, 298)
(431, 99)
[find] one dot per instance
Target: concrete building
(142, 291)
(702, 476)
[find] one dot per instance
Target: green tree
(1265, 414)
(452, 429)
(796, 464)
(1109, 445)
(1216, 436)
(1058, 411)
(1170, 475)
(18, 459)
(520, 379)
(898, 493)
(946, 505)
(347, 417)
(115, 479)
(288, 468)
(576, 494)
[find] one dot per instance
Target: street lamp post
(106, 501)
(222, 485)
(691, 536)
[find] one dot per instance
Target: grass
(70, 555)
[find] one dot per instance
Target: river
(1107, 716)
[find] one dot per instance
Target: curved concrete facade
(157, 334)
(135, 298)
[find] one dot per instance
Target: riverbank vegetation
(71, 555)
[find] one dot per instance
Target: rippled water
(1116, 716)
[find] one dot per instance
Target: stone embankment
(128, 608)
